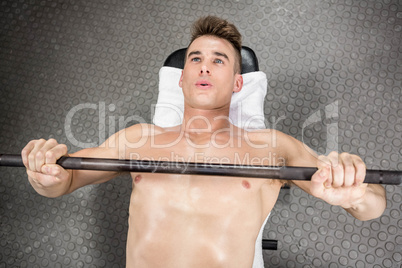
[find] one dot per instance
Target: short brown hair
(220, 28)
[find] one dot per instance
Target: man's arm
(338, 181)
(51, 180)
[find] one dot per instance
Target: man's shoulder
(263, 134)
(275, 140)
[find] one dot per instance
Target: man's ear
(238, 83)
(181, 80)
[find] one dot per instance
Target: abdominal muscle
(196, 221)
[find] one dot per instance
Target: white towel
(258, 257)
(246, 108)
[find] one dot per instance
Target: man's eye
(196, 59)
(218, 61)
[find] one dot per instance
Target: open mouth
(203, 84)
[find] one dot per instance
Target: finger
(39, 160)
(26, 151)
(361, 168)
(32, 158)
(53, 170)
(337, 170)
(41, 153)
(349, 169)
(52, 155)
(324, 165)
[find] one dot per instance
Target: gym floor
(334, 73)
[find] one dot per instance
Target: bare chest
(201, 193)
(205, 194)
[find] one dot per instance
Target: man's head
(212, 68)
(217, 27)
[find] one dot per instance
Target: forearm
(81, 178)
(371, 205)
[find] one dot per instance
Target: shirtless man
(205, 221)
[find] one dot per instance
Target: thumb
(54, 170)
(319, 182)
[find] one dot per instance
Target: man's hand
(339, 180)
(45, 176)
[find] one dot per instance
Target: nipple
(137, 178)
(246, 184)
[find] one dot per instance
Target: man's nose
(204, 69)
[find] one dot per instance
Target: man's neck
(205, 121)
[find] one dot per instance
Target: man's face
(208, 78)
